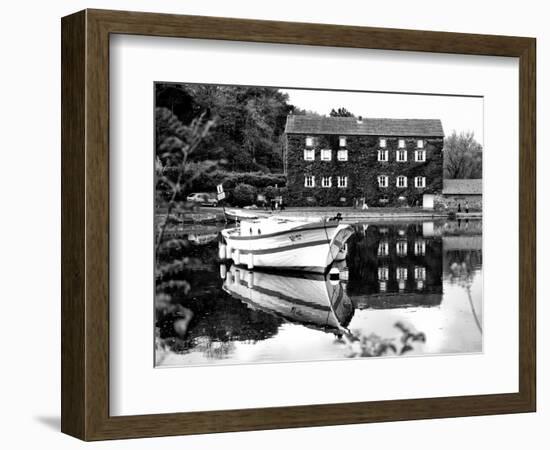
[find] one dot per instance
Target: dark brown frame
(85, 224)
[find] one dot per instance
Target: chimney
(360, 119)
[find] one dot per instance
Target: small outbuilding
(462, 194)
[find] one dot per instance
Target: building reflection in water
(390, 289)
(395, 265)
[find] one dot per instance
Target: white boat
(237, 215)
(312, 300)
(285, 244)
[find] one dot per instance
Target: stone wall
(362, 170)
(451, 202)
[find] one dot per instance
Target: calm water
(404, 289)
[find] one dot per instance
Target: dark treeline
(248, 128)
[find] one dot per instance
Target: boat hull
(310, 248)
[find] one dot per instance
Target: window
(382, 143)
(420, 248)
(383, 248)
(342, 141)
(401, 248)
(401, 181)
(401, 273)
(420, 155)
(342, 182)
(420, 182)
(419, 273)
(309, 141)
(383, 273)
(420, 143)
(401, 155)
(401, 143)
(326, 182)
(309, 181)
(342, 155)
(382, 181)
(309, 154)
(326, 155)
(382, 155)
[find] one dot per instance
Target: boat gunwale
(227, 233)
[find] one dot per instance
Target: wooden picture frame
(85, 224)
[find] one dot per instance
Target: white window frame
(401, 273)
(385, 182)
(309, 141)
(417, 153)
(420, 247)
(383, 248)
(323, 185)
(419, 273)
(383, 158)
(398, 155)
(324, 152)
(308, 151)
(342, 182)
(342, 152)
(382, 142)
(420, 182)
(404, 181)
(401, 143)
(383, 273)
(401, 248)
(312, 181)
(342, 141)
(420, 143)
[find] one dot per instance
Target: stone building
(332, 161)
(466, 193)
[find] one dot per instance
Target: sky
(456, 113)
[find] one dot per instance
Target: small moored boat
(285, 244)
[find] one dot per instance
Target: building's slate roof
(462, 187)
(304, 124)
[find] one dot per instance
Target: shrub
(244, 194)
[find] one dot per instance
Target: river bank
(205, 215)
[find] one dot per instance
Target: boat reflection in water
(311, 300)
(397, 289)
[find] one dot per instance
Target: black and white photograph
(308, 224)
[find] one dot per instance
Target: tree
(249, 122)
(462, 156)
(341, 112)
(244, 194)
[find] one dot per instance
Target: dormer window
(342, 141)
(401, 143)
(309, 141)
